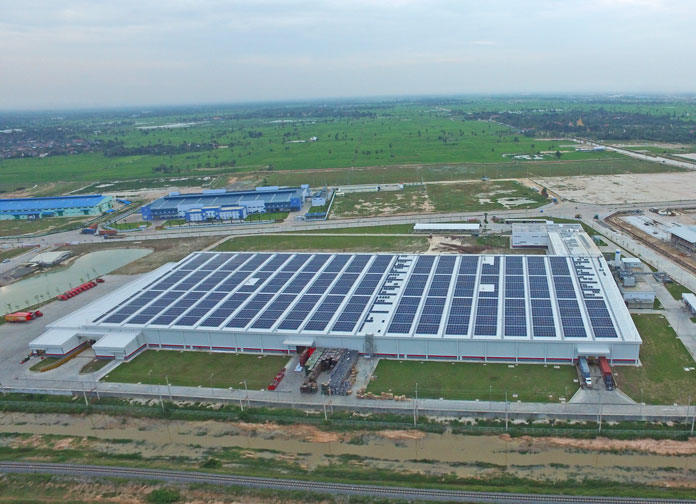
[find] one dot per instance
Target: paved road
(654, 158)
(420, 494)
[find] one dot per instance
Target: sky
(109, 53)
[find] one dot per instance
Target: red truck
(23, 316)
(607, 375)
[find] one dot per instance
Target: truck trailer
(607, 375)
(23, 316)
(585, 372)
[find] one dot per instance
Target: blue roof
(227, 198)
(8, 205)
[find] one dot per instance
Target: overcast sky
(86, 53)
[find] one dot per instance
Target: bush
(164, 496)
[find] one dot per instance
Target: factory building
(219, 204)
(684, 237)
(58, 206)
(474, 308)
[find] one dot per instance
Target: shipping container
(607, 375)
(585, 371)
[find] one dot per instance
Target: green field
(416, 173)
(368, 136)
(376, 243)
(10, 253)
(126, 226)
(676, 290)
(386, 229)
(527, 382)
(15, 227)
(219, 370)
(438, 198)
(661, 377)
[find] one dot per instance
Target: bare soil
(627, 188)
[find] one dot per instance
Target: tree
(544, 192)
(516, 140)
(558, 154)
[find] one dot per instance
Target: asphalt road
(420, 494)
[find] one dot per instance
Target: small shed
(689, 300)
(56, 343)
(118, 345)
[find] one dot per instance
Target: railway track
(615, 220)
(422, 494)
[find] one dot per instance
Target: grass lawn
(657, 305)
(23, 226)
(386, 229)
(531, 382)
(267, 216)
(125, 226)
(330, 243)
(664, 357)
(43, 363)
(10, 253)
(438, 198)
(220, 370)
(94, 365)
(484, 196)
(676, 289)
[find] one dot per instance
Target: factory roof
(433, 226)
(227, 198)
(685, 233)
(488, 297)
(49, 203)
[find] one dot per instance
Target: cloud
(163, 51)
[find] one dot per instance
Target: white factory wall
(391, 347)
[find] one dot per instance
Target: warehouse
(447, 228)
(684, 237)
(487, 308)
(59, 206)
(219, 204)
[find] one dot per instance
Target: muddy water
(43, 286)
(402, 450)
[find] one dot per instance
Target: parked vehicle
(607, 375)
(585, 372)
(23, 316)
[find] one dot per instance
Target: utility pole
(169, 388)
(506, 411)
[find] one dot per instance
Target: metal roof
(230, 198)
(50, 203)
(489, 297)
(685, 233)
(431, 226)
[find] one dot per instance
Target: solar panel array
(451, 296)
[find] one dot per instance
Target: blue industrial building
(226, 205)
(58, 206)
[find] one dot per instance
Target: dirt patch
(401, 434)
(308, 433)
(657, 447)
(627, 188)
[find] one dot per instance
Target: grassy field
(16, 227)
(10, 253)
(326, 243)
(661, 378)
(458, 171)
(126, 226)
(219, 370)
(528, 382)
(267, 216)
(676, 290)
(44, 363)
(440, 198)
